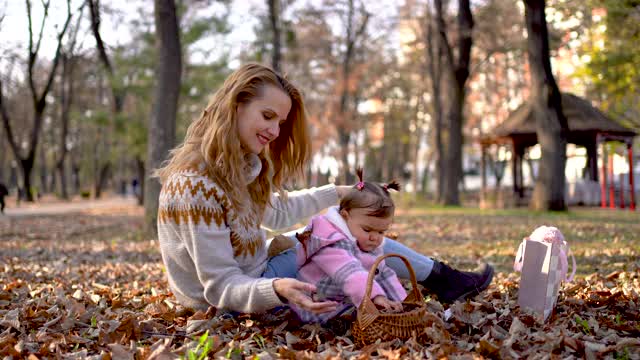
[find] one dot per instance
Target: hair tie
(360, 185)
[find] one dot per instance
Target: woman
(218, 189)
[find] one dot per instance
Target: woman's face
(259, 120)
(366, 229)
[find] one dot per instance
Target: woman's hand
(297, 293)
(388, 305)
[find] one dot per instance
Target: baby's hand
(385, 303)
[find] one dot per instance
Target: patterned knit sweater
(332, 260)
(213, 255)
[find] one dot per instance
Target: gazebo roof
(581, 117)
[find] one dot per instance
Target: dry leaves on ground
(87, 286)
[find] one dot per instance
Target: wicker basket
(371, 324)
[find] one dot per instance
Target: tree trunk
(165, 104)
(43, 171)
(551, 124)
(458, 70)
(103, 173)
(140, 168)
(415, 152)
(66, 98)
(453, 171)
(118, 93)
(439, 146)
(386, 148)
(496, 167)
(62, 181)
(26, 167)
(424, 183)
(274, 19)
(101, 181)
(75, 176)
(434, 53)
(3, 159)
(344, 137)
(344, 126)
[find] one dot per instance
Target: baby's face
(367, 230)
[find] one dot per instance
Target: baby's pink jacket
(332, 260)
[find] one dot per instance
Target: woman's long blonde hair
(213, 140)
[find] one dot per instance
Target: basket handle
(413, 297)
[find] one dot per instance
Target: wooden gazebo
(588, 127)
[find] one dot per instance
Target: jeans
(284, 264)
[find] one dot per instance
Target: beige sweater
(215, 257)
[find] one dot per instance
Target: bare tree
(434, 66)
(69, 59)
(38, 98)
(354, 33)
(118, 93)
(165, 100)
(3, 157)
(551, 124)
(458, 71)
(274, 21)
(310, 60)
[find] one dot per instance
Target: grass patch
(600, 239)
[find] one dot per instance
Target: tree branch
(32, 57)
(40, 101)
(465, 26)
(118, 95)
(94, 7)
(56, 59)
(508, 47)
(442, 29)
(45, 6)
(363, 25)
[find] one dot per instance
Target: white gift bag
(542, 260)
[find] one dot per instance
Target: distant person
(3, 192)
(134, 186)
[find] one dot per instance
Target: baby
(339, 248)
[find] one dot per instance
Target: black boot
(450, 284)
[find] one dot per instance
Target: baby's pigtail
(393, 185)
(360, 184)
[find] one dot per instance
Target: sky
(114, 29)
(14, 26)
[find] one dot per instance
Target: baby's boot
(450, 284)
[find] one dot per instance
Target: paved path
(57, 208)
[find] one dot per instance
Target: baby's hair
(370, 195)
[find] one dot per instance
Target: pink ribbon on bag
(551, 235)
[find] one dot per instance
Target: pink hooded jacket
(332, 260)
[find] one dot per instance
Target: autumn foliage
(90, 286)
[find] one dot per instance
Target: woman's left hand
(297, 292)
